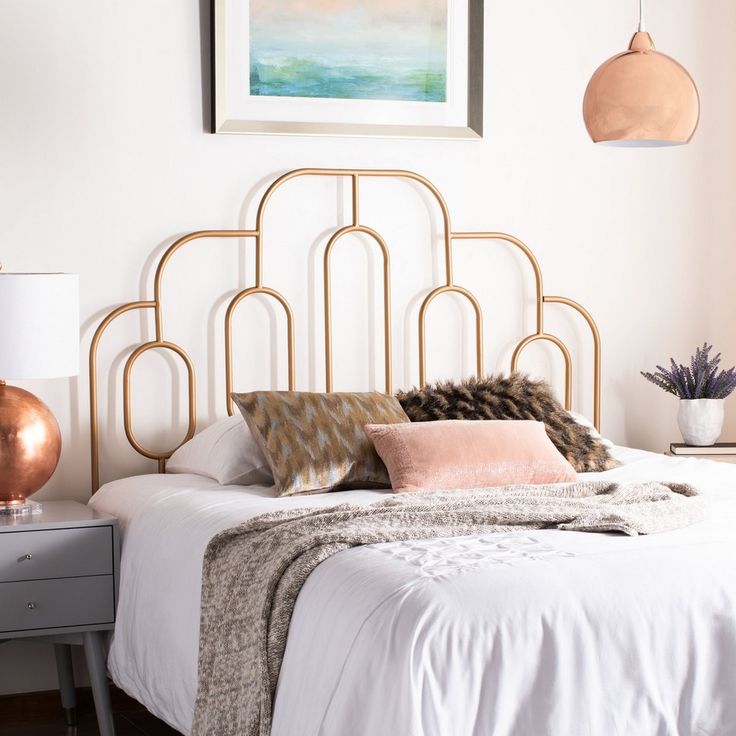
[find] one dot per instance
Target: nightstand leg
(94, 650)
(65, 672)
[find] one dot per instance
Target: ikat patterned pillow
(317, 442)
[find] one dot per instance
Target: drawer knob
(31, 606)
(29, 556)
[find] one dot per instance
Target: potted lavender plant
(701, 389)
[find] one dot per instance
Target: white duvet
(547, 633)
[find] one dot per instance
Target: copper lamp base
(30, 445)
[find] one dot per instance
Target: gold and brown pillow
(317, 442)
(510, 397)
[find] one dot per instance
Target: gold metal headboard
(355, 176)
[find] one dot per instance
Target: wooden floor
(40, 714)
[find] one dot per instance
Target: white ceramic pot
(700, 421)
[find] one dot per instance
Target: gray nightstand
(59, 574)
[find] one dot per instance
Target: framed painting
(348, 67)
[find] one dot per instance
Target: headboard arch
(229, 314)
(355, 177)
(470, 297)
(386, 257)
(128, 404)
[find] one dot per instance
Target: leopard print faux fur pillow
(509, 397)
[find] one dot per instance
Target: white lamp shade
(39, 325)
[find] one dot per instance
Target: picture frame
(252, 94)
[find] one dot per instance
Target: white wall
(104, 159)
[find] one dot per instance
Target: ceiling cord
(642, 25)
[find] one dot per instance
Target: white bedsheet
(546, 633)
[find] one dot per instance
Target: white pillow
(227, 452)
(585, 422)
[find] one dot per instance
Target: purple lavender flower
(699, 380)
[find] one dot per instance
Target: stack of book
(724, 452)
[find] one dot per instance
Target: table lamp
(39, 338)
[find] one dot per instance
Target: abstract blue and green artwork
(349, 49)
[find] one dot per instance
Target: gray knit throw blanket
(253, 573)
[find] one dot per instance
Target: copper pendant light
(641, 97)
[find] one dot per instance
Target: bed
(592, 634)
(530, 633)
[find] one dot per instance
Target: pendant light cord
(642, 25)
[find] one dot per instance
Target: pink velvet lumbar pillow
(468, 454)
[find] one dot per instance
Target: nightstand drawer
(49, 604)
(56, 553)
